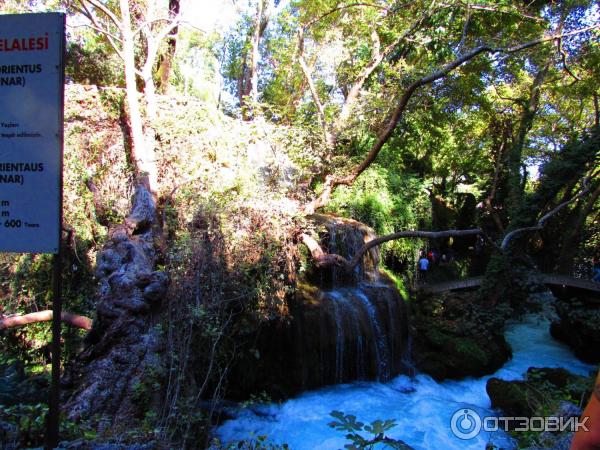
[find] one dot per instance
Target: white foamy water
(421, 407)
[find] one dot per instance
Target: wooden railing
(551, 279)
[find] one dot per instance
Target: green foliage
(377, 429)
(30, 422)
(196, 65)
(387, 203)
(399, 282)
(27, 425)
(92, 62)
(254, 443)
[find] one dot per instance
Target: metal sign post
(32, 48)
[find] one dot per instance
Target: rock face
(344, 237)
(108, 378)
(579, 327)
(342, 326)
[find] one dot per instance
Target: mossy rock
(541, 393)
(514, 398)
(579, 328)
(455, 337)
(443, 355)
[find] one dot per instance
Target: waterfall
(339, 343)
(363, 310)
(358, 321)
(341, 326)
(380, 342)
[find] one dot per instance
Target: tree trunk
(250, 75)
(515, 154)
(142, 155)
(166, 61)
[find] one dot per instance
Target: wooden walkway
(436, 288)
(578, 283)
(550, 279)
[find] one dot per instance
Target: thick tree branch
(333, 181)
(75, 320)
(329, 259)
(540, 223)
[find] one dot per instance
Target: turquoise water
(421, 407)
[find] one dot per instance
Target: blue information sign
(31, 131)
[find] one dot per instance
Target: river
(421, 407)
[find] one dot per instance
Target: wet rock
(558, 377)
(578, 326)
(543, 390)
(344, 237)
(514, 398)
(333, 336)
(454, 337)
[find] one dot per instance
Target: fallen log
(44, 316)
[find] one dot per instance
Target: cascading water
(339, 342)
(421, 407)
(341, 326)
(368, 314)
(357, 321)
(379, 340)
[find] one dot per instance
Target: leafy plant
(377, 429)
(261, 442)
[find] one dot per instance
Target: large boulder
(454, 337)
(543, 390)
(579, 327)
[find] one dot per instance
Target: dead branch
(75, 320)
